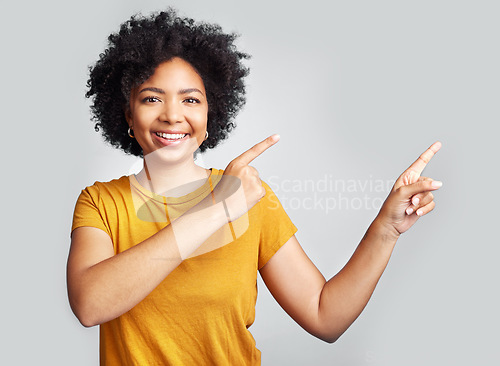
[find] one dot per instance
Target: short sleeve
(87, 210)
(276, 226)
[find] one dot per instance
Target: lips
(171, 136)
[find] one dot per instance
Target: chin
(172, 154)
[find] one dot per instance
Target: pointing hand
(240, 186)
(411, 196)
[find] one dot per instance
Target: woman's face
(168, 112)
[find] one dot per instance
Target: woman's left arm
(327, 308)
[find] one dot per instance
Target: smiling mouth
(171, 136)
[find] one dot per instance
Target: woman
(166, 260)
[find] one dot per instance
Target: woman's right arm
(103, 286)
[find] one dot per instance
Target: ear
(128, 117)
(127, 110)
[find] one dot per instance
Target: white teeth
(171, 136)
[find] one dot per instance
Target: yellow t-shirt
(200, 313)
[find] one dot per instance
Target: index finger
(249, 155)
(422, 161)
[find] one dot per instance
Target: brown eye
(192, 100)
(151, 100)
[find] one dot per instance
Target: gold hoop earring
(206, 135)
(131, 132)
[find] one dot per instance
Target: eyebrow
(154, 90)
(190, 90)
(181, 91)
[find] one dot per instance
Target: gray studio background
(357, 91)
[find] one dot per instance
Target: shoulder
(115, 184)
(102, 190)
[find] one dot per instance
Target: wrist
(383, 230)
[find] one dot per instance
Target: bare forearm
(112, 287)
(346, 294)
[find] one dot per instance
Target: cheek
(200, 126)
(142, 115)
(199, 120)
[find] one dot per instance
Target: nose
(171, 113)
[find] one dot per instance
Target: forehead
(175, 73)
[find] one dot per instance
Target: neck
(171, 180)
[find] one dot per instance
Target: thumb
(421, 186)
